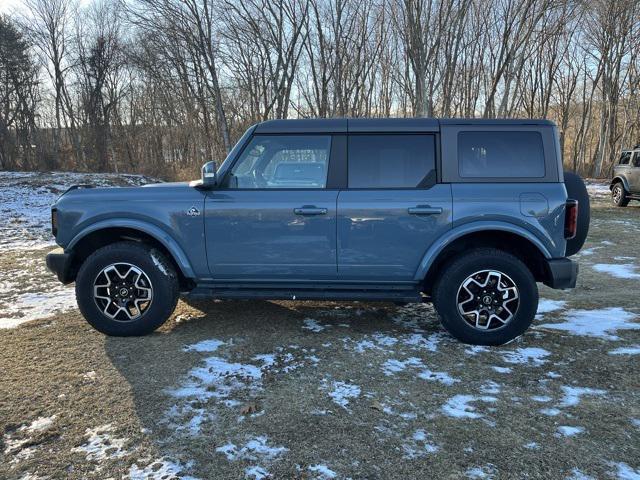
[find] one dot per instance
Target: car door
(274, 216)
(393, 208)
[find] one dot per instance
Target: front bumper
(562, 273)
(60, 263)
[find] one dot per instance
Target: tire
(577, 190)
(619, 195)
(119, 317)
(450, 290)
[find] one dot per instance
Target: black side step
(408, 296)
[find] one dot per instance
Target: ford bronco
(468, 214)
(625, 185)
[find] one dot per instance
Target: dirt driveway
(311, 390)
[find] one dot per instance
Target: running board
(381, 295)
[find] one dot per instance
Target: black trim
(337, 174)
(60, 263)
(562, 273)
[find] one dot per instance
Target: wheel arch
(621, 179)
(525, 247)
(105, 233)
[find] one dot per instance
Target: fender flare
(457, 232)
(617, 178)
(154, 231)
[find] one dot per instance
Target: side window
(486, 154)
(636, 159)
(282, 161)
(390, 161)
(625, 158)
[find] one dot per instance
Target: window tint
(625, 158)
(636, 159)
(283, 161)
(500, 154)
(390, 161)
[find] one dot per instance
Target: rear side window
(625, 158)
(391, 161)
(484, 154)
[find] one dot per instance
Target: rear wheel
(126, 289)
(618, 195)
(486, 297)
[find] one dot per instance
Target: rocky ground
(316, 390)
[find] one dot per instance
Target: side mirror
(209, 176)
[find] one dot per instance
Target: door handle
(424, 210)
(310, 210)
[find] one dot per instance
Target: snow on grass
(576, 474)
(601, 323)
(569, 431)
(501, 369)
(550, 412)
(622, 270)
(526, 355)
(459, 406)
(490, 388)
(632, 350)
(341, 393)
(218, 378)
(256, 449)
(322, 471)
(29, 306)
(419, 446)
(573, 395)
(392, 366)
(101, 444)
(312, 325)
(204, 346)
(486, 472)
(161, 469)
(625, 472)
(256, 472)
(15, 442)
(547, 306)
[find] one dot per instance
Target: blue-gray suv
(468, 214)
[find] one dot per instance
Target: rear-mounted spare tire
(577, 190)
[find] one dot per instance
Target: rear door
(634, 173)
(274, 216)
(393, 208)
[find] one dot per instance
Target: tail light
(571, 219)
(54, 221)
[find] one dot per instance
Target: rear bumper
(59, 263)
(562, 273)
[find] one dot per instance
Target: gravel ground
(320, 390)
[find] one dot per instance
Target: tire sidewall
(621, 201)
(459, 271)
(164, 294)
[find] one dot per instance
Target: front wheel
(619, 196)
(126, 289)
(486, 297)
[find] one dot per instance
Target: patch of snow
(625, 472)
(313, 325)
(600, 323)
(161, 469)
(39, 424)
(573, 395)
(632, 350)
(568, 431)
(531, 446)
(256, 472)
(256, 449)
(420, 445)
(393, 366)
(459, 406)
(342, 392)
(323, 471)
(501, 369)
(550, 412)
(623, 270)
(527, 355)
(576, 474)
(30, 306)
(476, 473)
(204, 346)
(101, 444)
(490, 388)
(541, 398)
(547, 306)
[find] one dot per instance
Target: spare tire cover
(577, 190)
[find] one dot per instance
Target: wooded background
(161, 86)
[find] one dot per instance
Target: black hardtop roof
(345, 125)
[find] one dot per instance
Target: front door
(393, 209)
(274, 217)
